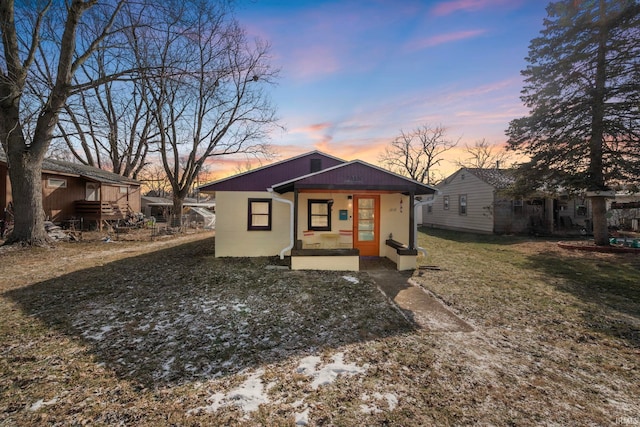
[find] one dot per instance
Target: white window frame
(56, 183)
(462, 204)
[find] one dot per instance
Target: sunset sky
(355, 73)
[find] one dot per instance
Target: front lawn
(162, 333)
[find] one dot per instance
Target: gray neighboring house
(473, 199)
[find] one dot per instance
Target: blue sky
(354, 73)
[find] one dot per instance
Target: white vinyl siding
(479, 201)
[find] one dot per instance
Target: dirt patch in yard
(164, 333)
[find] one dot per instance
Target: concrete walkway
(416, 304)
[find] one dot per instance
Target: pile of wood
(57, 233)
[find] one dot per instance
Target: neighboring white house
(473, 199)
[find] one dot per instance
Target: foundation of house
(349, 259)
(325, 259)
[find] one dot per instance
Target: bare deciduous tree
(155, 180)
(482, 155)
(210, 99)
(33, 91)
(109, 126)
(416, 153)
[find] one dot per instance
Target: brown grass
(155, 333)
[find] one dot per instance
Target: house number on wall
(353, 178)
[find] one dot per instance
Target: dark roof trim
(405, 189)
(289, 159)
(410, 185)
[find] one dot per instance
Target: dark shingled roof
(334, 173)
(264, 177)
(498, 178)
(88, 172)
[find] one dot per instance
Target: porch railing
(100, 210)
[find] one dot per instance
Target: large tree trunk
(596, 144)
(26, 189)
(26, 154)
(176, 217)
(600, 228)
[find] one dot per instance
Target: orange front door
(366, 224)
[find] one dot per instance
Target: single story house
(323, 212)
(79, 195)
(474, 200)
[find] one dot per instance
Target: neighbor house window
(93, 191)
(445, 200)
(319, 215)
(429, 209)
(462, 204)
(518, 206)
(259, 214)
(56, 183)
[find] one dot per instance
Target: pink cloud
(313, 61)
(316, 127)
(444, 38)
(449, 7)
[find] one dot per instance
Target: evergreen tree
(582, 86)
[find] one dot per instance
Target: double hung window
(319, 215)
(259, 214)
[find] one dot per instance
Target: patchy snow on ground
(307, 366)
(351, 279)
(390, 399)
(248, 396)
(302, 418)
(250, 339)
(252, 392)
(41, 403)
(224, 319)
(328, 373)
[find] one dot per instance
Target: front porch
(352, 210)
(349, 259)
(100, 212)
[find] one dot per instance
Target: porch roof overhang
(355, 176)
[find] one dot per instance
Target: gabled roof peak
(263, 177)
(499, 178)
